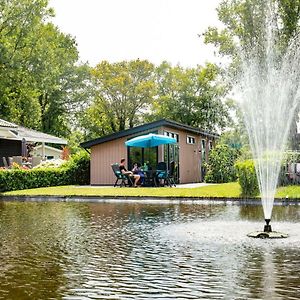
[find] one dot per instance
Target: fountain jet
(268, 91)
(267, 233)
(267, 227)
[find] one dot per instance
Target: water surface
(146, 251)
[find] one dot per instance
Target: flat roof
(144, 127)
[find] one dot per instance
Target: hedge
(75, 171)
(12, 180)
(247, 178)
(220, 168)
(78, 168)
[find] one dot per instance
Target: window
(210, 145)
(203, 145)
(172, 134)
(203, 149)
(190, 140)
(142, 156)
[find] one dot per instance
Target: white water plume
(268, 93)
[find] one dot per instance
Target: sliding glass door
(143, 156)
(171, 154)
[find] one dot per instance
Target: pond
(59, 250)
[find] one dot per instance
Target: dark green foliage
(78, 168)
(25, 179)
(42, 86)
(195, 91)
(76, 171)
(247, 178)
(220, 168)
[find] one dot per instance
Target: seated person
(148, 166)
(124, 171)
(137, 170)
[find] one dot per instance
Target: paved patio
(193, 185)
(183, 185)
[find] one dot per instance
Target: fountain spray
(268, 91)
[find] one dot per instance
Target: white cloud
(156, 30)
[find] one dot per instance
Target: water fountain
(268, 92)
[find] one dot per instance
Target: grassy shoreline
(225, 190)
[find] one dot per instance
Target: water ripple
(115, 251)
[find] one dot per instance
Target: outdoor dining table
(150, 179)
(148, 141)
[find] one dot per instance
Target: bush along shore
(72, 179)
(74, 171)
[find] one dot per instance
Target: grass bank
(225, 190)
(291, 191)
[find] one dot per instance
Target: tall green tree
(123, 91)
(40, 78)
(245, 29)
(192, 96)
(19, 20)
(244, 24)
(56, 77)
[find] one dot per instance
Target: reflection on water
(146, 251)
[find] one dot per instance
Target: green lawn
(225, 190)
(218, 190)
(291, 191)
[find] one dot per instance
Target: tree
(19, 20)
(41, 84)
(244, 22)
(55, 76)
(191, 96)
(123, 91)
(220, 167)
(245, 30)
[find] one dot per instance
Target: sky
(156, 30)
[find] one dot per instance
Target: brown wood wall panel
(189, 159)
(103, 155)
(189, 156)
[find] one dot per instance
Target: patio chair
(166, 175)
(17, 160)
(10, 161)
(161, 173)
(35, 161)
(6, 165)
(125, 180)
(171, 174)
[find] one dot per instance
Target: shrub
(78, 168)
(75, 171)
(18, 179)
(247, 178)
(220, 168)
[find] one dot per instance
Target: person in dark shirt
(124, 171)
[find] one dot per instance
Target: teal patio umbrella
(150, 140)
